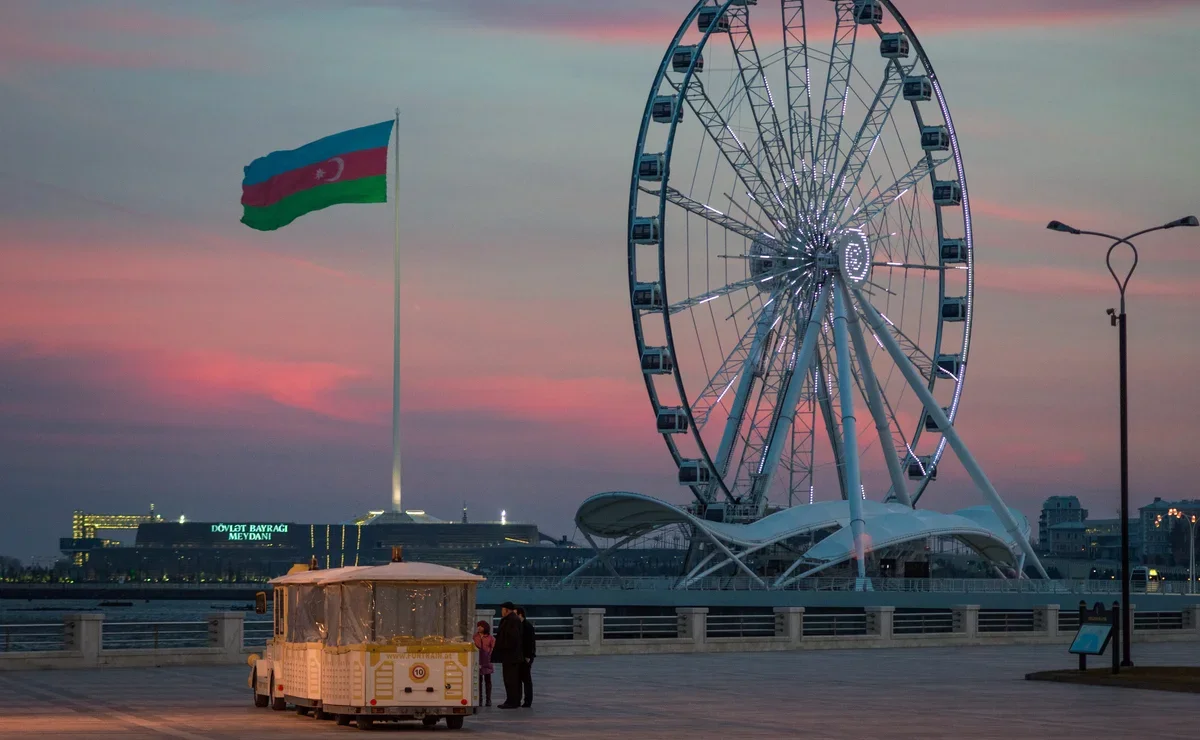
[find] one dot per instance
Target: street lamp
(1190, 520)
(1118, 320)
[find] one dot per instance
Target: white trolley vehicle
(395, 643)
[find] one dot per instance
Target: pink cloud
(1054, 281)
(655, 21)
(102, 38)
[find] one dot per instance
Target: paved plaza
(976, 692)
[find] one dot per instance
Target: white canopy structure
(623, 516)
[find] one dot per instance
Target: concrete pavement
(972, 692)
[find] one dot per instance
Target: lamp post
(1118, 320)
(1190, 520)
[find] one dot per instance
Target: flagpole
(396, 504)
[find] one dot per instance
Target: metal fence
(741, 625)
(922, 623)
(1001, 620)
(27, 637)
(154, 635)
(1158, 621)
(256, 632)
(640, 627)
(835, 624)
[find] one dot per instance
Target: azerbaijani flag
(350, 167)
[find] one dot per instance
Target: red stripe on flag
(351, 166)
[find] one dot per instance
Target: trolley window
(399, 613)
(306, 614)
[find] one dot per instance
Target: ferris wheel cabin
(657, 361)
(710, 18)
(648, 297)
(645, 230)
(950, 365)
(920, 466)
(931, 424)
(868, 12)
(681, 60)
(954, 251)
(935, 138)
(651, 167)
(672, 420)
(954, 309)
(894, 46)
(947, 193)
(918, 89)
(693, 472)
(662, 110)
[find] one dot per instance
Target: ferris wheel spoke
(711, 295)
(837, 90)
(758, 92)
(799, 89)
(909, 266)
(867, 212)
(864, 143)
(917, 357)
(736, 367)
(735, 152)
(707, 212)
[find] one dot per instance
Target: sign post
(1097, 627)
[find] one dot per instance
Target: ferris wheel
(801, 258)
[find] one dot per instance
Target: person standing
(510, 653)
(529, 652)
(485, 643)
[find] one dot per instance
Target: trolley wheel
(365, 723)
(455, 722)
(322, 714)
(429, 721)
(302, 711)
(343, 719)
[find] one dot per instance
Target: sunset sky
(153, 349)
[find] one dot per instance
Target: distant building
(1067, 540)
(1158, 548)
(1104, 539)
(1058, 510)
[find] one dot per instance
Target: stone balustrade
(693, 629)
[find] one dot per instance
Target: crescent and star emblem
(341, 166)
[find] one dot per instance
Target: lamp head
(1188, 221)
(1060, 226)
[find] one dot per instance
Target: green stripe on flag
(363, 190)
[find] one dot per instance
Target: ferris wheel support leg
(875, 402)
(951, 434)
(783, 426)
(858, 525)
(745, 384)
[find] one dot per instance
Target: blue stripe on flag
(367, 137)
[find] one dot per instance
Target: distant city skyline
(153, 349)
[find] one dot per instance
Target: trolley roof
(422, 572)
(314, 576)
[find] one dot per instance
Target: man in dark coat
(510, 654)
(529, 652)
